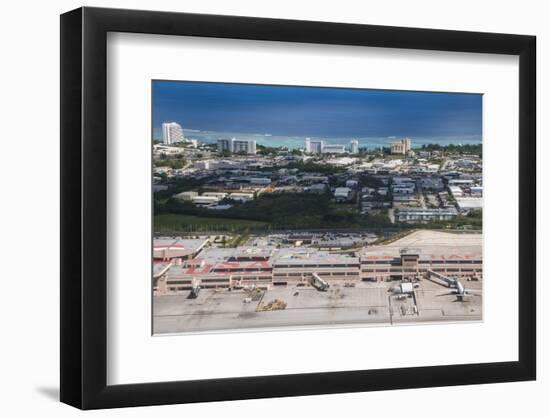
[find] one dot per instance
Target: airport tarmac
(365, 304)
(435, 241)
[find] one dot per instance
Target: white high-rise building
(354, 146)
(247, 146)
(308, 145)
(316, 146)
(172, 133)
(225, 145)
(401, 147)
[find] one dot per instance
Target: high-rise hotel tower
(172, 133)
(354, 146)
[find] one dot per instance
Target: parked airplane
(461, 291)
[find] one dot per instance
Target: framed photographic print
(258, 207)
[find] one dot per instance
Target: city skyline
(314, 111)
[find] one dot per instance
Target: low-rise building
(187, 195)
(332, 148)
(203, 165)
(202, 200)
(218, 195)
(309, 178)
(317, 188)
(259, 181)
(461, 182)
(159, 187)
(242, 197)
(167, 150)
(405, 198)
(342, 193)
(352, 183)
(456, 191)
(465, 204)
(413, 215)
(403, 189)
(476, 191)
(220, 207)
(432, 183)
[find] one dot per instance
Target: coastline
(297, 142)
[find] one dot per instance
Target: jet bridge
(441, 279)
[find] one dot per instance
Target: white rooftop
(465, 203)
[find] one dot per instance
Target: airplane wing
(446, 293)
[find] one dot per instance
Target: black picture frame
(84, 207)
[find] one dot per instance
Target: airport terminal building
(180, 264)
(413, 265)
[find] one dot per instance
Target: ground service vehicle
(195, 290)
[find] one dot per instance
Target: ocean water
(297, 142)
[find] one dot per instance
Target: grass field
(187, 223)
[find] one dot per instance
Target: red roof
(245, 265)
(195, 271)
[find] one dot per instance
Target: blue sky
(306, 111)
